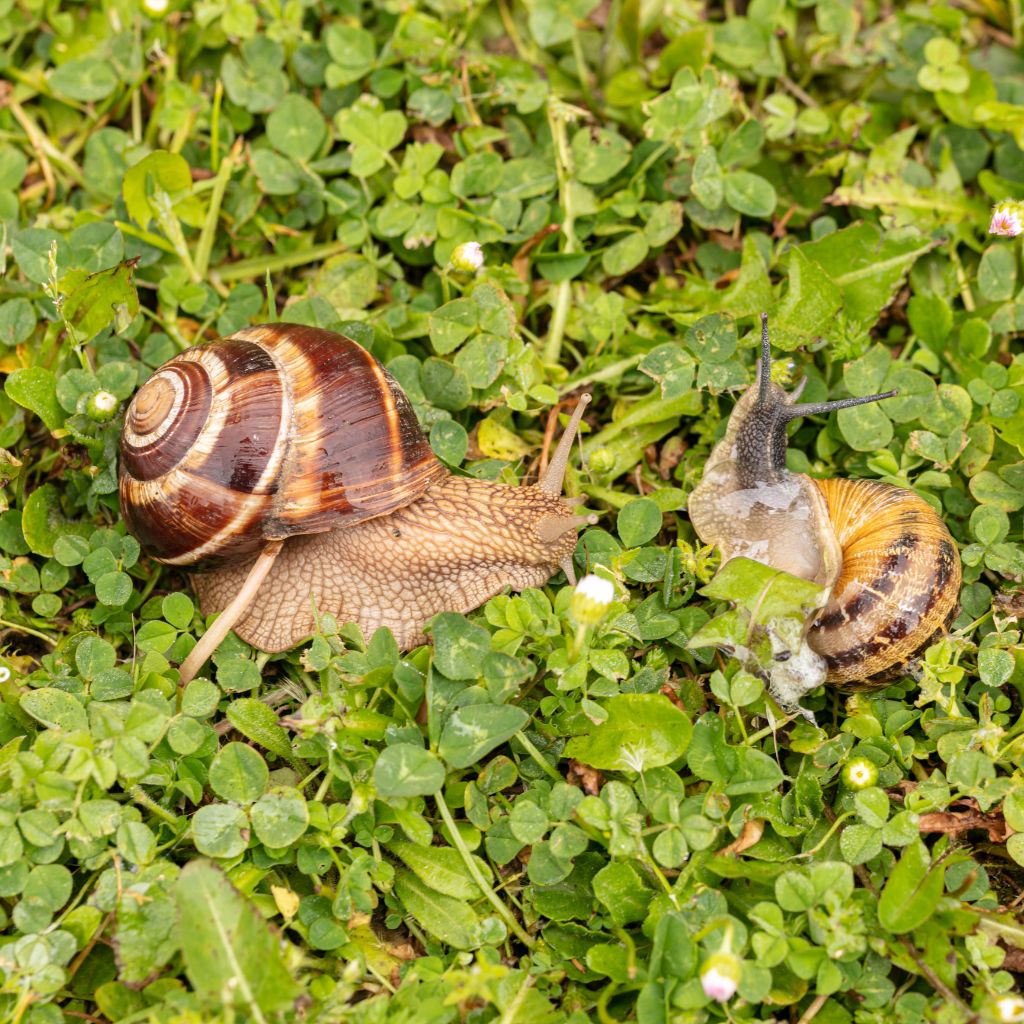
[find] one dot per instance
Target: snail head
(758, 423)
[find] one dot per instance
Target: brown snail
(288, 465)
(890, 565)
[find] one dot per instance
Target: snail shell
(890, 566)
(899, 582)
(275, 431)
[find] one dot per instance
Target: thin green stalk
(206, 237)
(582, 69)
(145, 236)
(218, 99)
(537, 756)
(828, 835)
(613, 371)
(259, 265)
(768, 730)
(563, 169)
(171, 227)
(140, 796)
(29, 630)
(485, 887)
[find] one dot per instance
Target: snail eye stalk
(765, 366)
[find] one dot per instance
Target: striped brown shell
(899, 583)
(275, 431)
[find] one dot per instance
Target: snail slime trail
(889, 568)
(287, 466)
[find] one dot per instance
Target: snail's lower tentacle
(211, 639)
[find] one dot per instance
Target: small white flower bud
(155, 8)
(1009, 1009)
(720, 976)
(590, 600)
(467, 257)
(859, 773)
(101, 406)
(1007, 219)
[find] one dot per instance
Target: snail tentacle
(211, 639)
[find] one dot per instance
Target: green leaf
(749, 194)
(912, 893)
(55, 709)
(253, 719)
(85, 79)
(642, 731)
(626, 254)
(372, 133)
(229, 951)
(280, 817)
(441, 868)
(639, 521)
(94, 301)
(404, 769)
(220, 830)
(238, 773)
(459, 646)
(444, 917)
(147, 918)
(168, 172)
(296, 127)
(473, 731)
(35, 388)
(625, 897)
(353, 54)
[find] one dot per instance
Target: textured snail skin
(458, 545)
(899, 582)
(890, 565)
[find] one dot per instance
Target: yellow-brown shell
(276, 431)
(899, 583)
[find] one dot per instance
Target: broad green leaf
(450, 920)
(230, 953)
(55, 709)
(642, 731)
(168, 172)
(441, 868)
(404, 769)
(252, 718)
(473, 731)
(912, 893)
(35, 389)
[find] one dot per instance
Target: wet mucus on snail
(890, 568)
(287, 466)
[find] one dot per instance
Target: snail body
(889, 565)
(287, 466)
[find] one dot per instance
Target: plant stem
(563, 169)
(485, 887)
(140, 796)
(29, 630)
(205, 244)
(828, 835)
(259, 265)
(537, 756)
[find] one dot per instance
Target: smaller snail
(288, 466)
(890, 566)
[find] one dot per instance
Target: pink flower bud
(720, 975)
(1007, 219)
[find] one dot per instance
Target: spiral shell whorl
(276, 431)
(899, 583)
